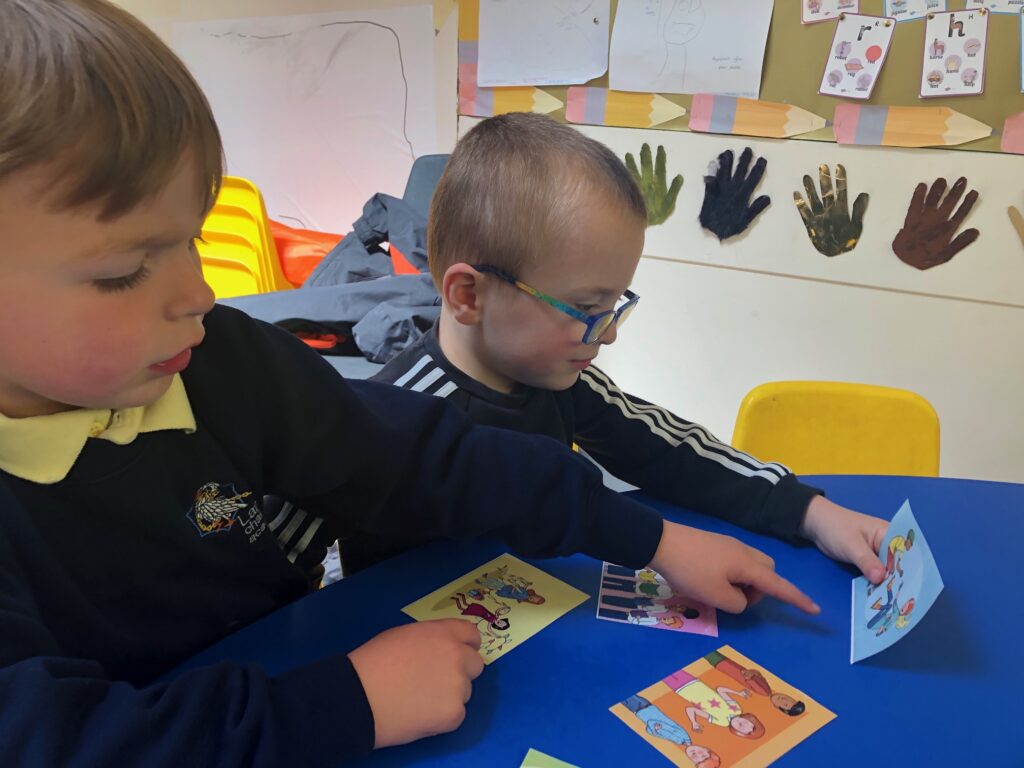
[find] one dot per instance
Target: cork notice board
(796, 54)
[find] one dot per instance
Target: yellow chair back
(238, 252)
(828, 427)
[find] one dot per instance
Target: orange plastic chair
(828, 427)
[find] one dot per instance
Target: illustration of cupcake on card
(953, 64)
(935, 78)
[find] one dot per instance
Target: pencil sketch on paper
(680, 21)
(690, 46)
(319, 110)
(542, 42)
(311, 61)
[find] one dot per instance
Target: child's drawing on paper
(722, 710)
(883, 613)
(680, 22)
(689, 46)
(645, 599)
(507, 599)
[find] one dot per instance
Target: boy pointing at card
(141, 426)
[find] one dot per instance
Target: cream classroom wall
(730, 317)
(704, 336)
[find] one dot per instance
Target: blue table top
(947, 688)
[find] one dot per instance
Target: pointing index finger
(770, 583)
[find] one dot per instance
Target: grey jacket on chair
(356, 285)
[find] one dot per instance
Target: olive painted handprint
(829, 223)
(651, 178)
(926, 239)
(727, 210)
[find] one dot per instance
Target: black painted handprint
(727, 210)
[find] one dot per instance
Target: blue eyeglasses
(597, 325)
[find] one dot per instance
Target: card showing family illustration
(884, 613)
(722, 710)
(507, 599)
(645, 599)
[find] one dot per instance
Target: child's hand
(418, 678)
(846, 536)
(721, 571)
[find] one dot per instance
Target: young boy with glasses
(141, 427)
(535, 232)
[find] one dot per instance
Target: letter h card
(954, 53)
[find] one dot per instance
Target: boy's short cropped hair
(512, 186)
(88, 88)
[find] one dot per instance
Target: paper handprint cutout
(926, 239)
(1018, 222)
(829, 223)
(660, 198)
(727, 210)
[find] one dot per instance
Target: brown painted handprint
(830, 225)
(926, 239)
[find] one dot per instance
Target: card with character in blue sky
(882, 614)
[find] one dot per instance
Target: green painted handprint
(828, 221)
(660, 198)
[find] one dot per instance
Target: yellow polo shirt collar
(43, 449)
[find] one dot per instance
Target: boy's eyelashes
(127, 282)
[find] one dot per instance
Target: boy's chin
(560, 383)
(138, 397)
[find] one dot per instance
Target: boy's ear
(460, 290)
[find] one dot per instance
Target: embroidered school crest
(216, 507)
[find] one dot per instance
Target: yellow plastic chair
(231, 265)
(237, 225)
(828, 427)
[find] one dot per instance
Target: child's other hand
(418, 678)
(721, 571)
(846, 536)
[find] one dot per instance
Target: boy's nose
(193, 295)
(609, 336)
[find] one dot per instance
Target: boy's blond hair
(511, 187)
(87, 87)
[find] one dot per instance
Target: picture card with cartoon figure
(908, 10)
(954, 53)
(883, 614)
(722, 710)
(996, 6)
(813, 11)
(858, 51)
(508, 600)
(644, 598)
